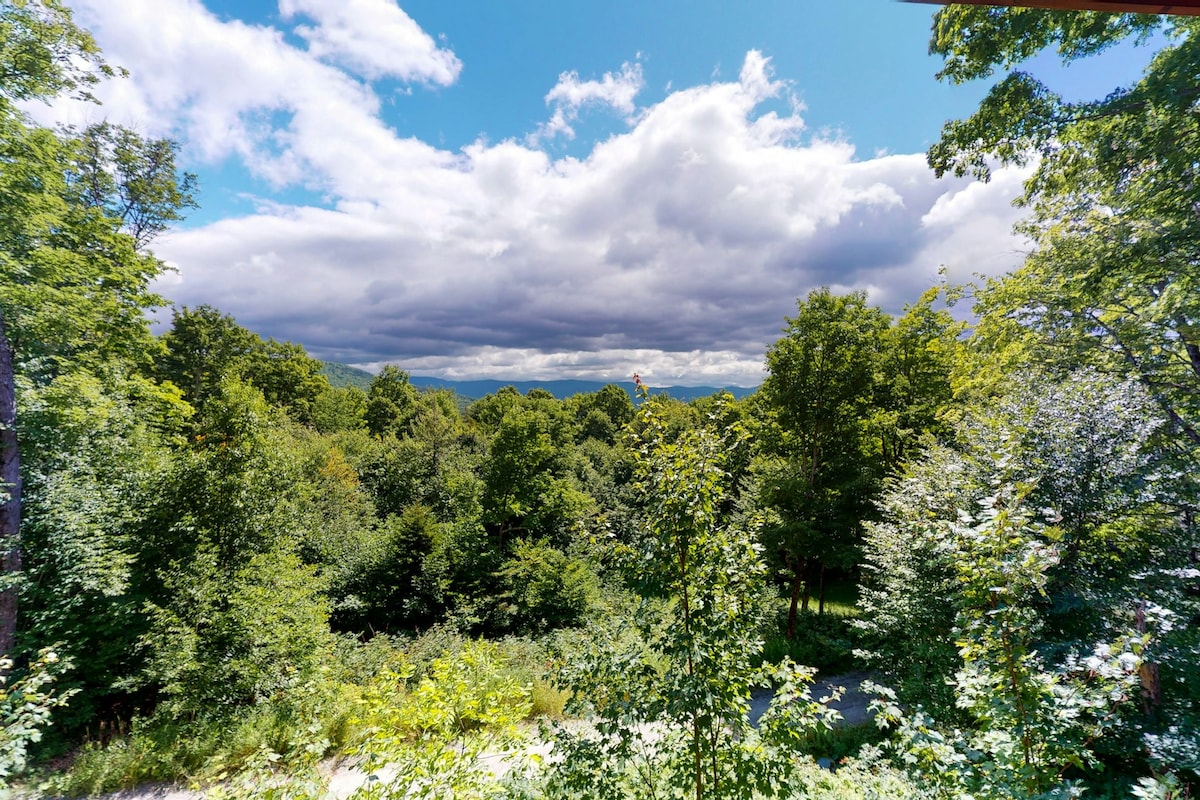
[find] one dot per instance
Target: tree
(545, 588)
(133, 180)
(234, 616)
(529, 489)
(920, 352)
(818, 398)
(25, 706)
(1031, 721)
(384, 581)
(601, 415)
(287, 376)
(391, 402)
(342, 409)
(1111, 279)
(205, 347)
(1081, 445)
(43, 53)
(671, 700)
(73, 280)
(98, 451)
(202, 347)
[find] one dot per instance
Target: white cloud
(675, 248)
(570, 95)
(375, 38)
(969, 227)
(616, 90)
(656, 368)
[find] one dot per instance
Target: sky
(538, 189)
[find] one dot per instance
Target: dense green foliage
(246, 569)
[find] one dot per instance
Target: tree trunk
(1148, 671)
(797, 582)
(10, 494)
(808, 570)
(821, 592)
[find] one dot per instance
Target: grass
(161, 749)
(825, 641)
(841, 599)
(321, 715)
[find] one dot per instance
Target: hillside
(341, 375)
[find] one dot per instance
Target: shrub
(225, 641)
(25, 707)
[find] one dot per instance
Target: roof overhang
(1184, 7)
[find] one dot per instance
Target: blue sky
(543, 189)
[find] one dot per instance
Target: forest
(224, 571)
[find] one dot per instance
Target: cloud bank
(674, 248)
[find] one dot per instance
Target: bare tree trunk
(10, 493)
(821, 592)
(797, 582)
(808, 572)
(1148, 671)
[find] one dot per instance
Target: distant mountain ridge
(340, 375)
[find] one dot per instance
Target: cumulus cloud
(569, 95)
(675, 248)
(375, 38)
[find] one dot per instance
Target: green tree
(488, 411)
(384, 590)
(73, 278)
(1111, 280)
(230, 488)
(1083, 447)
(227, 637)
(915, 390)
(671, 699)
(234, 615)
(99, 451)
(601, 415)
(203, 347)
(818, 398)
(25, 706)
(1031, 721)
(545, 588)
(341, 409)
(391, 402)
(528, 486)
(287, 376)
(133, 180)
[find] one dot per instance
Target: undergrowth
(323, 719)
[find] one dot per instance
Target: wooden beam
(1180, 7)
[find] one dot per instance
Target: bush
(161, 748)
(227, 641)
(545, 588)
(466, 697)
(25, 706)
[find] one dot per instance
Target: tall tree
(920, 352)
(42, 54)
(201, 348)
(819, 397)
(74, 283)
(205, 347)
(391, 402)
(133, 180)
(1112, 277)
